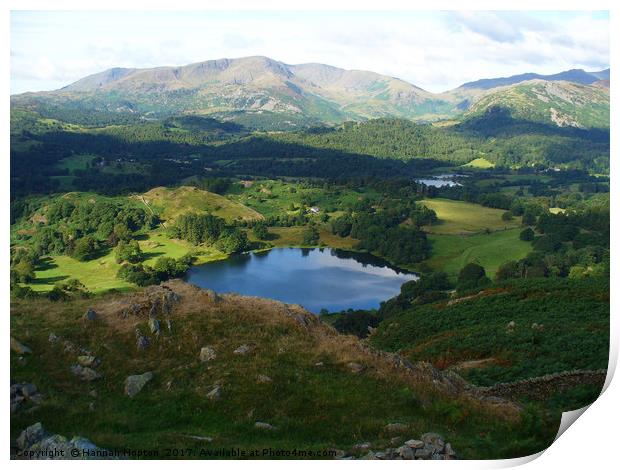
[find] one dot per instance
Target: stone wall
(540, 388)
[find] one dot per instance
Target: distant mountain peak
(307, 94)
(572, 75)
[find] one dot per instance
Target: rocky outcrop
(207, 353)
(429, 446)
(154, 326)
(35, 443)
(264, 379)
(265, 426)
(243, 349)
(68, 346)
(150, 303)
(19, 348)
(90, 315)
(85, 373)
(23, 394)
(215, 393)
(304, 318)
(142, 342)
(135, 383)
(355, 367)
(88, 361)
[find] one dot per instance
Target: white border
(590, 443)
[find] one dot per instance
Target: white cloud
(436, 50)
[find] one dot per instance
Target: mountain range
(259, 89)
(573, 75)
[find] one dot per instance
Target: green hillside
(317, 389)
(548, 315)
(170, 203)
(562, 104)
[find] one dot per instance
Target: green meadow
(99, 275)
(482, 163)
(450, 253)
(465, 218)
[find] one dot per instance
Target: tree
(356, 322)
(128, 251)
(260, 231)
(23, 292)
(311, 236)
(215, 185)
(24, 271)
(342, 225)
(198, 228)
(168, 268)
(57, 294)
(527, 235)
(508, 270)
(529, 218)
(138, 274)
(232, 241)
(471, 272)
(507, 216)
(472, 276)
(547, 243)
(121, 232)
(84, 249)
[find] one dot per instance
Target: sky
(436, 51)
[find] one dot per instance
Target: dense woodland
(177, 148)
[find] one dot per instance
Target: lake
(314, 278)
(440, 181)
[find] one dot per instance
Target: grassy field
(99, 275)
(459, 217)
(450, 253)
(313, 407)
(480, 163)
(274, 197)
(170, 203)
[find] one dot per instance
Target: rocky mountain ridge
(303, 94)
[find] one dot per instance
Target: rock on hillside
(35, 443)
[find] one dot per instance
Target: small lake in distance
(440, 181)
(315, 278)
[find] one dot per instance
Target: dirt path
(144, 201)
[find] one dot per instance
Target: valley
(160, 218)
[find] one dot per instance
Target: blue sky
(434, 50)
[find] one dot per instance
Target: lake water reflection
(315, 278)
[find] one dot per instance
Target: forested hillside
(137, 157)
